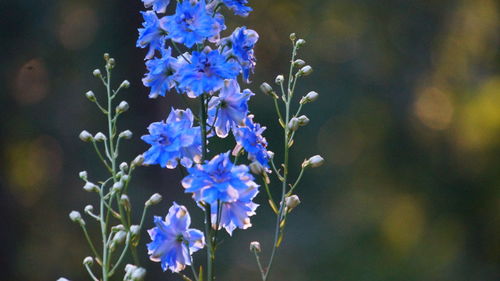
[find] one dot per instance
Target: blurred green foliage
(408, 121)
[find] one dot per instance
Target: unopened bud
(135, 230)
(125, 84)
(292, 202)
(85, 136)
(127, 134)
(256, 168)
(117, 186)
(300, 43)
(96, 73)
(111, 63)
(75, 216)
(83, 175)
(293, 36)
(90, 187)
(255, 247)
(117, 228)
(299, 63)
(88, 261)
(153, 200)
(303, 120)
(293, 124)
(125, 201)
(119, 237)
(90, 95)
(125, 178)
(310, 97)
(279, 79)
(106, 56)
(270, 154)
(138, 160)
(62, 279)
(122, 107)
(267, 89)
(314, 162)
(123, 166)
(304, 71)
(100, 137)
(89, 209)
(138, 274)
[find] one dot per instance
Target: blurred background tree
(408, 121)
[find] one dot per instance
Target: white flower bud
(119, 237)
(138, 274)
(117, 228)
(153, 200)
(270, 154)
(125, 201)
(279, 79)
(300, 43)
(122, 107)
(85, 136)
(125, 84)
(117, 186)
(292, 202)
(293, 124)
(106, 56)
(89, 209)
(83, 175)
(267, 89)
(135, 230)
(256, 168)
(304, 71)
(123, 166)
(90, 187)
(293, 36)
(90, 95)
(75, 216)
(138, 160)
(62, 279)
(100, 137)
(310, 97)
(88, 261)
(96, 73)
(303, 120)
(255, 247)
(111, 63)
(127, 134)
(314, 162)
(299, 63)
(125, 178)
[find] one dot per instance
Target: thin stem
(91, 273)
(262, 272)
(120, 259)
(296, 182)
(91, 244)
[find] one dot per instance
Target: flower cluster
(206, 66)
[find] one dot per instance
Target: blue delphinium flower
(174, 140)
(236, 214)
(238, 6)
(161, 73)
(191, 23)
(240, 45)
(229, 108)
(206, 72)
(250, 138)
(171, 239)
(159, 6)
(151, 34)
(218, 180)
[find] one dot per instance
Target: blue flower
(159, 6)
(218, 180)
(161, 73)
(250, 138)
(191, 23)
(174, 140)
(236, 214)
(151, 34)
(206, 72)
(229, 108)
(171, 239)
(240, 45)
(238, 6)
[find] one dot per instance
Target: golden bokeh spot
(77, 27)
(32, 82)
(434, 108)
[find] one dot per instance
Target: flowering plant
(187, 55)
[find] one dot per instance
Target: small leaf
(280, 239)
(200, 275)
(281, 123)
(290, 143)
(273, 206)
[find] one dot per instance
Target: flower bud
(96, 73)
(293, 124)
(125, 178)
(304, 71)
(117, 186)
(83, 175)
(299, 63)
(117, 228)
(75, 216)
(256, 168)
(310, 97)
(123, 166)
(125, 201)
(89, 209)
(125, 84)
(90, 95)
(88, 261)
(303, 120)
(85, 136)
(138, 274)
(153, 200)
(267, 89)
(125, 134)
(255, 247)
(90, 187)
(279, 79)
(292, 202)
(314, 162)
(270, 154)
(122, 107)
(300, 43)
(293, 36)
(111, 63)
(138, 160)
(62, 279)
(119, 237)
(135, 230)
(106, 56)
(100, 137)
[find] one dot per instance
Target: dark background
(408, 121)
